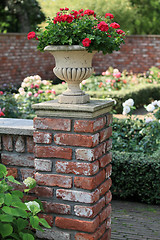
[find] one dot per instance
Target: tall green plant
(16, 217)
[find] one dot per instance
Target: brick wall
(19, 57)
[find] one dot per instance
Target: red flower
(103, 26)
(61, 9)
(89, 12)
(1, 93)
(31, 35)
(69, 18)
(80, 11)
(109, 15)
(115, 25)
(119, 31)
(66, 9)
(86, 42)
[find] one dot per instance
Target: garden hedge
(141, 94)
(136, 176)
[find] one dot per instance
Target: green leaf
(26, 236)
(11, 179)
(8, 199)
(15, 212)
(21, 224)
(17, 193)
(3, 171)
(44, 223)
(6, 218)
(34, 221)
(5, 229)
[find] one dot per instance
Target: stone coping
(86, 110)
(16, 126)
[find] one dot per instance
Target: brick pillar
(73, 168)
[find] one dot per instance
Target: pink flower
(40, 91)
(119, 31)
(53, 91)
(83, 82)
(1, 92)
(109, 15)
(48, 91)
(103, 26)
(29, 94)
(31, 35)
(114, 25)
(117, 75)
(86, 42)
(63, 83)
(108, 80)
(36, 86)
(32, 85)
(36, 95)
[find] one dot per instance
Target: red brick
(89, 126)
(89, 211)
(94, 236)
(75, 224)
(105, 160)
(43, 192)
(77, 167)
(30, 144)
(53, 152)
(108, 171)
(17, 159)
(78, 196)
(7, 142)
(104, 187)
(27, 173)
(53, 123)
(58, 208)
(105, 213)
(107, 235)
(48, 218)
(89, 183)
(109, 119)
(43, 165)
(53, 180)
(105, 134)
(108, 197)
(42, 137)
(108, 145)
(12, 172)
(90, 154)
(76, 139)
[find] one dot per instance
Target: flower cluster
(31, 204)
(128, 106)
(154, 109)
(83, 28)
(29, 182)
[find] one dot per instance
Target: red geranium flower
(89, 12)
(1, 92)
(31, 35)
(115, 25)
(103, 26)
(86, 42)
(61, 9)
(66, 9)
(109, 15)
(119, 31)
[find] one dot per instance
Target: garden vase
(73, 64)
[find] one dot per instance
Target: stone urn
(73, 65)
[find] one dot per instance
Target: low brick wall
(19, 57)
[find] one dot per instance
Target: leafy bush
(136, 177)
(16, 217)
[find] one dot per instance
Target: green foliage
(134, 135)
(17, 16)
(135, 176)
(16, 217)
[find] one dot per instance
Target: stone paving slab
(135, 221)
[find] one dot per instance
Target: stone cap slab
(16, 126)
(86, 110)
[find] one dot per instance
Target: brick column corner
(73, 168)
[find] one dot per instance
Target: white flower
(16, 96)
(129, 102)
(23, 84)
(126, 110)
(32, 203)
(115, 71)
(154, 103)
(21, 90)
(147, 120)
(158, 103)
(29, 181)
(150, 108)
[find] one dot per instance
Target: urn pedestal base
(73, 99)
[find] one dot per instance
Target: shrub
(136, 176)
